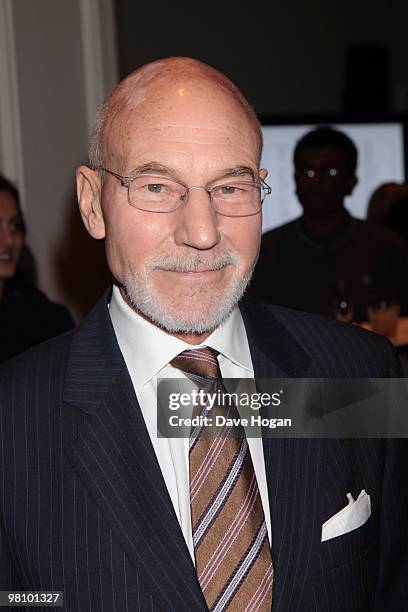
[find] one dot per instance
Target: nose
(198, 222)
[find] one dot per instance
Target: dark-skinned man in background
(326, 256)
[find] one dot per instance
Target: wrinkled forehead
(183, 111)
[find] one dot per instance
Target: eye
(310, 173)
(228, 189)
(16, 227)
(155, 187)
(333, 171)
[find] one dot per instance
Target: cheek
(18, 244)
(303, 186)
(244, 236)
(132, 237)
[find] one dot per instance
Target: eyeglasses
(232, 198)
(325, 171)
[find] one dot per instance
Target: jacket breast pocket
(346, 586)
(351, 546)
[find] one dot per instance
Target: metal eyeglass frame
(127, 180)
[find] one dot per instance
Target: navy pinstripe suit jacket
(83, 504)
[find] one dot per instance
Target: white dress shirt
(147, 351)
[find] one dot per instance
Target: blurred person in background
(382, 200)
(397, 219)
(388, 206)
(326, 261)
(27, 316)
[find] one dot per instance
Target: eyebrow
(157, 168)
(14, 219)
(238, 171)
(150, 167)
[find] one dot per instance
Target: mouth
(194, 273)
(6, 256)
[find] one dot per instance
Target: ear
(89, 200)
(352, 182)
(263, 173)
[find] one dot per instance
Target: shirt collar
(147, 349)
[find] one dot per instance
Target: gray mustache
(190, 263)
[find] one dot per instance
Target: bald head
(165, 82)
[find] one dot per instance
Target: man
(93, 502)
(327, 261)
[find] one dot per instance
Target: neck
(324, 226)
(194, 339)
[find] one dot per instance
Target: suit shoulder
(309, 323)
(337, 348)
(37, 362)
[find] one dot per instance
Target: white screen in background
(380, 160)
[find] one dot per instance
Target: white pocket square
(352, 516)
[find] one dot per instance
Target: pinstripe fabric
(307, 479)
(84, 508)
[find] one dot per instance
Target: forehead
(8, 204)
(185, 121)
(321, 156)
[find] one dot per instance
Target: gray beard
(162, 310)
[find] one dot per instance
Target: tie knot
(202, 362)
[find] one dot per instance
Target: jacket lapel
(293, 466)
(115, 460)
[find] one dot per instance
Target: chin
(7, 272)
(196, 312)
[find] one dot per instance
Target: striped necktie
(232, 553)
